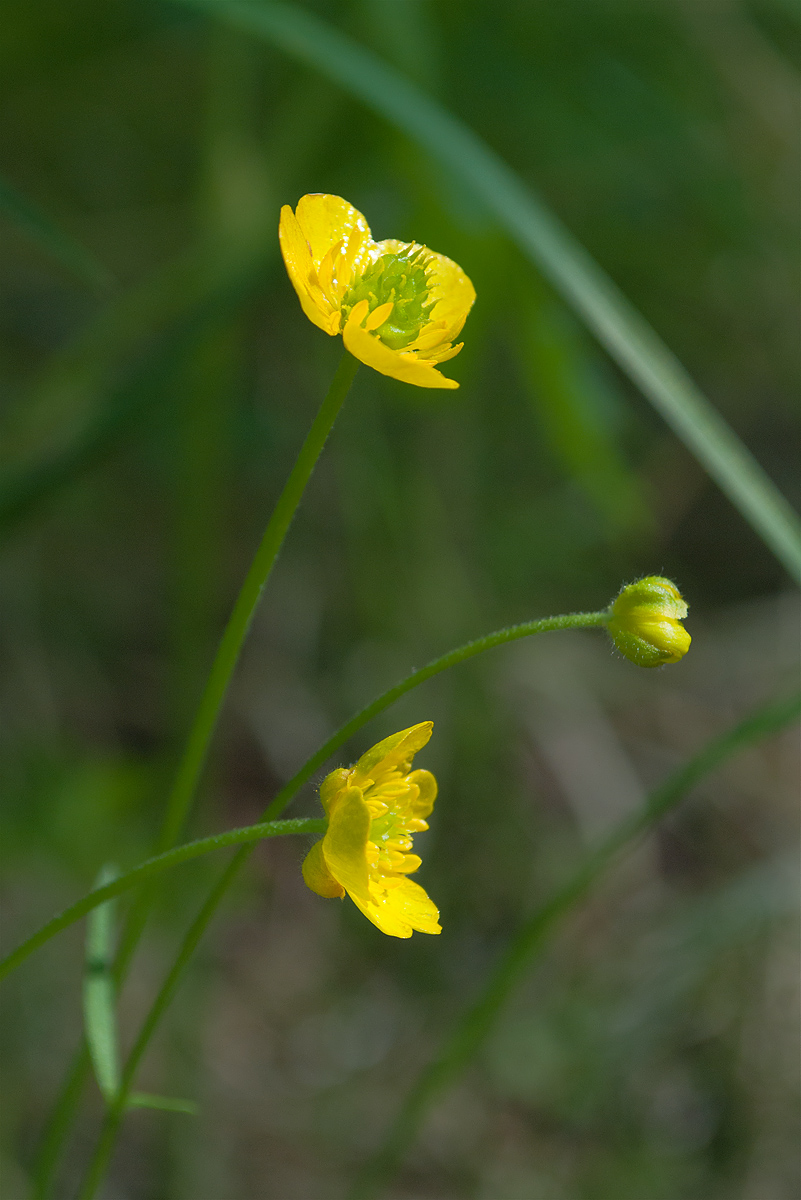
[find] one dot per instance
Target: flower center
(400, 279)
(390, 836)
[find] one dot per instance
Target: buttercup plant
(374, 827)
(399, 307)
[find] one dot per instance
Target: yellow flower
(645, 622)
(398, 305)
(373, 809)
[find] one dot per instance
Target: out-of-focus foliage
(144, 435)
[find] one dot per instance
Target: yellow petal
(400, 910)
(418, 908)
(409, 864)
(317, 875)
(302, 273)
(396, 363)
(393, 246)
(331, 786)
(452, 292)
(394, 752)
(379, 315)
(441, 354)
(326, 220)
(427, 787)
(345, 843)
(325, 274)
(433, 333)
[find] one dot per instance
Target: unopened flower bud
(645, 622)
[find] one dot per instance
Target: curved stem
(114, 1115)
(470, 1031)
(153, 866)
(272, 828)
(512, 633)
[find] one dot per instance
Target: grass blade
(99, 1010)
(59, 244)
(627, 336)
(163, 1103)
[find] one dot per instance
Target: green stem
(114, 1115)
(236, 630)
(271, 828)
(512, 633)
(461, 1045)
(153, 866)
(233, 638)
(59, 1122)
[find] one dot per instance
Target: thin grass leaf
(99, 992)
(540, 235)
(54, 240)
(163, 1103)
(569, 400)
(76, 440)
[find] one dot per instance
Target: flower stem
(273, 828)
(236, 630)
(115, 1114)
(153, 866)
(511, 633)
(194, 756)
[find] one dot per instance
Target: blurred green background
(158, 378)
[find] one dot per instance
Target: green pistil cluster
(401, 279)
(390, 825)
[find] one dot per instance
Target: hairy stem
(153, 866)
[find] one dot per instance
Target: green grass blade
(79, 415)
(627, 336)
(569, 398)
(58, 1124)
(99, 993)
(79, 261)
(163, 1103)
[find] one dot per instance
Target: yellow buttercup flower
(398, 305)
(373, 810)
(645, 622)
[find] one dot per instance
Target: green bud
(645, 622)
